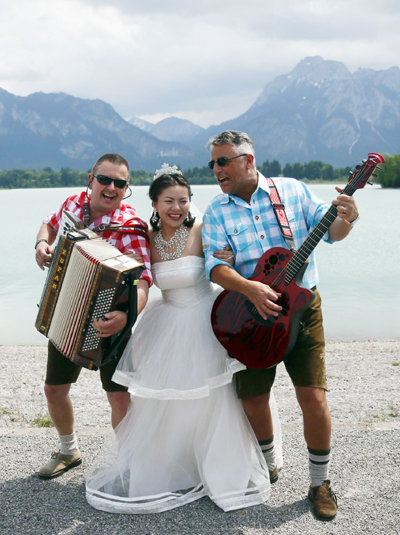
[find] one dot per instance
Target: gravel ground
(364, 397)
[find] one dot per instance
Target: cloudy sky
(205, 61)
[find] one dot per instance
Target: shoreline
(364, 399)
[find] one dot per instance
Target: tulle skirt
(185, 435)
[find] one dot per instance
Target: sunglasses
(106, 181)
(223, 161)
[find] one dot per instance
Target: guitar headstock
(360, 176)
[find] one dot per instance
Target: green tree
(389, 174)
(327, 173)
(270, 168)
(312, 170)
(287, 170)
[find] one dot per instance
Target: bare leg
(259, 415)
(119, 402)
(316, 417)
(60, 408)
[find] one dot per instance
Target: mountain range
(319, 111)
(169, 129)
(57, 130)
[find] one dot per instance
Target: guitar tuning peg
(380, 168)
(370, 183)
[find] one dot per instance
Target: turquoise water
(359, 276)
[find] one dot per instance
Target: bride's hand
(226, 255)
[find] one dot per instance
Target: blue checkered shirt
(252, 228)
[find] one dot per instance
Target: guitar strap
(279, 209)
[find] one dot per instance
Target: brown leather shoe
(58, 464)
(324, 500)
(273, 475)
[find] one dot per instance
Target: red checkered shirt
(124, 215)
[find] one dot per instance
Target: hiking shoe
(324, 500)
(273, 475)
(59, 463)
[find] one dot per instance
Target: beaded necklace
(171, 249)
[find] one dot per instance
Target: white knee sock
(267, 447)
(68, 444)
(318, 464)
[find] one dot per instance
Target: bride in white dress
(185, 435)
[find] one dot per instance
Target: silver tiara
(167, 170)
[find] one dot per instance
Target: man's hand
(346, 213)
(116, 321)
(346, 206)
(263, 297)
(44, 255)
(138, 258)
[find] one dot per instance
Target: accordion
(88, 277)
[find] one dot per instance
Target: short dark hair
(159, 185)
(112, 158)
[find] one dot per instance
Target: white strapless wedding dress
(185, 435)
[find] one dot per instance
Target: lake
(359, 276)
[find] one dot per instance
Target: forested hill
(313, 171)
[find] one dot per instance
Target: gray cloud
(206, 59)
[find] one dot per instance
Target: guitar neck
(301, 256)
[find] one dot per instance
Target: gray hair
(240, 140)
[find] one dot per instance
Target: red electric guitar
(260, 343)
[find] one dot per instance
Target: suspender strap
(279, 209)
(86, 211)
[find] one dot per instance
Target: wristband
(352, 223)
(38, 241)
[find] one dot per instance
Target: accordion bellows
(86, 280)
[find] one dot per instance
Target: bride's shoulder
(152, 234)
(195, 246)
(197, 226)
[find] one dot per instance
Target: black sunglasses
(106, 181)
(223, 161)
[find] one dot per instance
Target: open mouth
(108, 197)
(223, 180)
(175, 217)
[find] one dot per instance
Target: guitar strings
(297, 261)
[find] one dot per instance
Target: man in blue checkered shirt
(242, 217)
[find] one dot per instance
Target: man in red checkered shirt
(108, 183)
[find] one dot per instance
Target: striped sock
(267, 447)
(318, 464)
